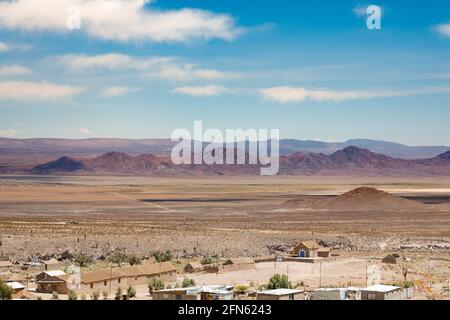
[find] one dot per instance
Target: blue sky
(143, 69)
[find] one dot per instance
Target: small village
(164, 278)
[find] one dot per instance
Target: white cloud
(32, 91)
(10, 133)
(300, 94)
(118, 91)
(167, 68)
(201, 91)
(14, 70)
(443, 29)
(119, 20)
(4, 47)
(292, 94)
(85, 131)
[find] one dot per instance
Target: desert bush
(134, 259)
(55, 295)
(131, 292)
(209, 260)
(83, 260)
(5, 291)
(72, 295)
(278, 281)
(95, 295)
(118, 295)
(155, 284)
(188, 283)
(163, 256)
(83, 296)
(105, 295)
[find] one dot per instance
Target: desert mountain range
(350, 161)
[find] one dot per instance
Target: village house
(6, 265)
(281, 294)
(384, 292)
(52, 264)
(19, 291)
(193, 267)
(126, 276)
(310, 249)
(52, 281)
(195, 293)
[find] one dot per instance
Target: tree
(163, 256)
(72, 295)
(105, 295)
(131, 292)
(155, 284)
(83, 260)
(118, 295)
(188, 283)
(278, 281)
(5, 291)
(118, 257)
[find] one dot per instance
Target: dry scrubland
(41, 217)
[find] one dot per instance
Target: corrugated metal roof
(381, 288)
(280, 292)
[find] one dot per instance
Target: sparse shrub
(5, 291)
(83, 296)
(262, 287)
(300, 284)
(83, 260)
(278, 281)
(209, 260)
(55, 295)
(131, 292)
(95, 295)
(72, 295)
(155, 284)
(105, 295)
(188, 283)
(163, 256)
(134, 259)
(118, 295)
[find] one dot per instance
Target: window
(118, 280)
(92, 286)
(105, 283)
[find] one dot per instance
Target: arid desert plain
(43, 217)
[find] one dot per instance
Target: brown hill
(351, 161)
(360, 199)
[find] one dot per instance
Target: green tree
(278, 281)
(188, 283)
(5, 291)
(155, 284)
(83, 260)
(72, 295)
